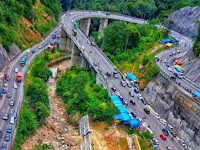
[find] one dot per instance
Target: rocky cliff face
(6, 57)
(184, 20)
(180, 110)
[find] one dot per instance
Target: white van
(150, 131)
(12, 120)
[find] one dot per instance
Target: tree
(41, 112)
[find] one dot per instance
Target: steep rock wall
(177, 108)
(185, 20)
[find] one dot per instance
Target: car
(16, 70)
(113, 89)
(172, 77)
(107, 14)
(115, 72)
(12, 120)
(28, 51)
(82, 48)
(134, 114)
(115, 75)
(136, 90)
(108, 74)
(4, 91)
(72, 21)
(9, 129)
(167, 64)
(3, 146)
(33, 51)
(1, 134)
(140, 120)
(92, 43)
(155, 142)
(131, 94)
(15, 86)
(163, 121)
(165, 131)
(169, 148)
(5, 116)
(9, 95)
(171, 54)
(143, 101)
(174, 53)
(12, 102)
(121, 97)
(132, 102)
(169, 69)
(163, 137)
(123, 83)
(123, 78)
(165, 60)
(178, 51)
(40, 47)
(125, 102)
(156, 115)
(5, 84)
(146, 110)
(129, 84)
(169, 127)
(96, 63)
(182, 142)
(14, 114)
(7, 137)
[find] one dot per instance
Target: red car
(163, 137)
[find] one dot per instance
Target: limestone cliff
(185, 20)
(177, 108)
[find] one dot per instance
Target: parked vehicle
(7, 137)
(108, 74)
(134, 114)
(9, 95)
(113, 89)
(163, 137)
(156, 115)
(128, 84)
(74, 32)
(163, 121)
(146, 110)
(132, 102)
(182, 142)
(123, 78)
(16, 70)
(5, 116)
(173, 133)
(143, 101)
(136, 90)
(123, 83)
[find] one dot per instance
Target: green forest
(12, 12)
(129, 45)
(146, 9)
(82, 96)
(196, 46)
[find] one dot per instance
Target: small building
(178, 62)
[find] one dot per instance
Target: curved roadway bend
(105, 65)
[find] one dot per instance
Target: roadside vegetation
(196, 46)
(132, 47)
(22, 21)
(82, 96)
(146, 9)
(35, 107)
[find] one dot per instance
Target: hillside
(24, 22)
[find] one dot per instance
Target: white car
(28, 51)
(12, 120)
(163, 121)
(72, 21)
(156, 115)
(16, 70)
(5, 84)
(169, 69)
(165, 60)
(178, 51)
(40, 47)
(15, 86)
(82, 48)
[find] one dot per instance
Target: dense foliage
(196, 46)
(11, 13)
(141, 8)
(35, 110)
(129, 45)
(82, 96)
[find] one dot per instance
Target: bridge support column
(65, 42)
(103, 23)
(84, 63)
(85, 25)
(76, 58)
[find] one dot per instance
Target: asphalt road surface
(105, 65)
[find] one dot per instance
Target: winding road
(105, 65)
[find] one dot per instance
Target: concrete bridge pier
(85, 25)
(84, 63)
(103, 23)
(65, 42)
(76, 58)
